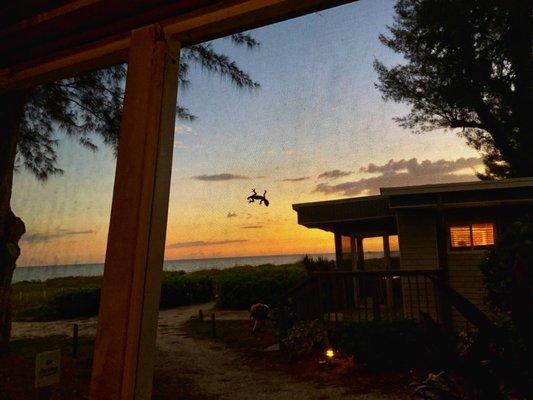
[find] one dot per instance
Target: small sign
(47, 368)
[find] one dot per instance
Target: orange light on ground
(330, 353)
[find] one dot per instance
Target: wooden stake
(75, 341)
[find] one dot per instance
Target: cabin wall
(418, 250)
(417, 238)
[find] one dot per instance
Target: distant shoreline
(43, 273)
(197, 259)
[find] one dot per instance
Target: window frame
(469, 224)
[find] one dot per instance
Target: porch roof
(364, 215)
(376, 214)
(461, 194)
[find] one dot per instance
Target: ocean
(42, 273)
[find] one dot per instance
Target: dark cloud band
(404, 173)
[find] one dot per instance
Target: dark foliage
(179, 290)
(74, 303)
(240, 287)
(512, 251)
(317, 265)
(91, 105)
(468, 65)
(303, 338)
(379, 346)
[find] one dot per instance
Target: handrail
(365, 295)
(385, 272)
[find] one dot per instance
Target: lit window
(471, 236)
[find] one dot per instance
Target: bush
(177, 289)
(181, 289)
(319, 264)
(74, 303)
(241, 287)
(379, 346)
(513, 250)
(302, 338)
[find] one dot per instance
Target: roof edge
(296, 206)
(457, 186)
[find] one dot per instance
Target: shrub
(73, 303)
(379, 346)
(302, 338)
(240, 287)
(181, 289)
(513, 249)
(319, 264)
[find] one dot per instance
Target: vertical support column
(129, 305)
(338, 250)
(387, 261)
(353, 253)
(442, 255)
(360, 254)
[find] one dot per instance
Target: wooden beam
(360, 254)
(387, 261)
(338, 249)
(207, 23)
(127, 321)
(386, 251)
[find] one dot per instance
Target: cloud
(251, 226)
(178, 144)
(200, 243)
(404, 173)
(231, 214)
(334, 174)
(219, 177)
(180, 129)
(41, 237)
(299, 179)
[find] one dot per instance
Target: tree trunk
(11, 227)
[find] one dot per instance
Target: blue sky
(317, 110)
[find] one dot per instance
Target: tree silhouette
(82, 107)
(468, 65)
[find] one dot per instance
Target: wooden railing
(357, 296)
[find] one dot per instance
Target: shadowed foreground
(189, 368)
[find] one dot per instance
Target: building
(441, 227)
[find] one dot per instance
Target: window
(471, 236)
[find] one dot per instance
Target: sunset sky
(317, 129)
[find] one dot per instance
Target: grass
(17, 369)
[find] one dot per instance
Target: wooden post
(360, 254)
(388, 282)
(213, 326)
(127, 321)
(75, 341)
(442, 255)
(353, 252)
(338, 250)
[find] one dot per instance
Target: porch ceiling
(47, 40)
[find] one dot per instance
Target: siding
(418, 250)
(465, 276)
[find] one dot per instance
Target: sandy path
(210, 370)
